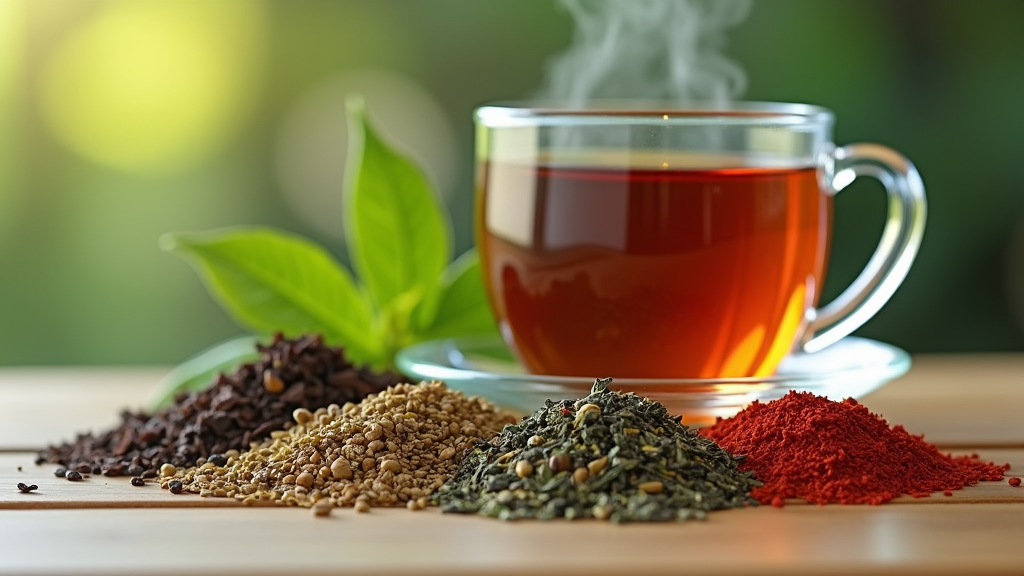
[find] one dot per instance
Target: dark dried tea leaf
(609, 456)
(238, 408)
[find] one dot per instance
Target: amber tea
(652, 272)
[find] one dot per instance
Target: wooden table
(969, 403)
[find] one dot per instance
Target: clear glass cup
(637, 240)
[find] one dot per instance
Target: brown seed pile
(393, 449)
(237, 409)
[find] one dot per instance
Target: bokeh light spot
(154, 86)
(11, 23)
(313, 142)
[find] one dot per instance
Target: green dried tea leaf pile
(395, 448)
(609, 456)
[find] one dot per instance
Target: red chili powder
(810, 447)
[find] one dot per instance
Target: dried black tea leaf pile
(610, 456)
(239, 408)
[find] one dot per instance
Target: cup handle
(891, 261)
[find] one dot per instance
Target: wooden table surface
(964, 403)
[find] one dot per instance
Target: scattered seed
(26, 488)
(138, 481)
(302, 416)
(595, 466)
(362, 506)
(218, 459)
(340, 469)
(168, 470)
(373, 432)
(580, 475)
(653, 487)
(1014, 481)
(559, 462)
(322, 510)
(73, 475)
(175, 486)
(272, 382)
(584, 411)
(305, 480)
(524, 469)
(60, 472)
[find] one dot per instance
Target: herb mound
(243, 407)
(810, 447)
(609, 456)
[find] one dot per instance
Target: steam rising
(648, 49)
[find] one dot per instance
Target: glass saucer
(484, 367)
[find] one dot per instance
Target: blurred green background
(121, 120)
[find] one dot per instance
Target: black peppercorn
(73, 475)
(174, 486)
(218, 459)
(135, 470)
(25, 488)
(60, 472)
(138, 481)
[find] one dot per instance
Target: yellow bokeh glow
(11, 23)
(10, 39)
(154, 86)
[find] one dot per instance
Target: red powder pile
(806, 446)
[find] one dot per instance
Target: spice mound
(609, 456)
(395, 448)
(237, 409)
(810, 447)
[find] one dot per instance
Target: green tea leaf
(199, 371)
(398, 233)
(461, 307)
(271, 280)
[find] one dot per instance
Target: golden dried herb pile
(393, 449)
